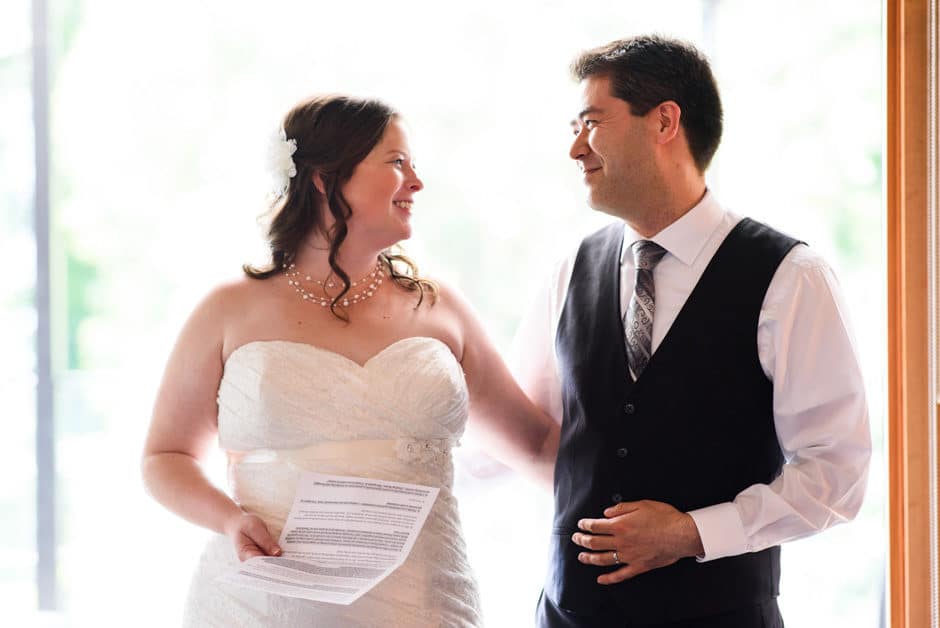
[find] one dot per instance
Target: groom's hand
(645, 535)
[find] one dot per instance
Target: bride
(340, 358)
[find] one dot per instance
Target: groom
(711, 401)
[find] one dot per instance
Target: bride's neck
(313, 259)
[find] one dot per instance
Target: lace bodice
(271, 398)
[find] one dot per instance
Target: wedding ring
(616, 558)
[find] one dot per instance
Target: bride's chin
(405, 232)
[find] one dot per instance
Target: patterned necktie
(638, 321)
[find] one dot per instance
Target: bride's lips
(403, 206)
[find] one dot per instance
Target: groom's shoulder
(598, 242)
(598, 236)
(577, 245)
(798, 259)
(610, 231)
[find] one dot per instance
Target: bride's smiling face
(381, 190)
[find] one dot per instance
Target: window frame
(911, 169)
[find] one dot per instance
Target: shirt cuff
(721, 531)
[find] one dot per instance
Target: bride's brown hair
(333, 133)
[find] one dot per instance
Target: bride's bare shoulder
(244, 287)
(451, 298)
(233, 296)
(222, 310)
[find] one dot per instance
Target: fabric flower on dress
(421, 451)
(280, 162)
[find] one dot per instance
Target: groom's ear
(666, 117)
(317, 179)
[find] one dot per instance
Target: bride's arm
(516, 431)
(182, 430)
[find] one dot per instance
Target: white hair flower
(280, 163)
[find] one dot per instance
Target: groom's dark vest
(694, 430)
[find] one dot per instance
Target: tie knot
(646, 254)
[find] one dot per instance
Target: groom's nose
(579, 147)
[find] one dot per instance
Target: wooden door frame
(912, 313)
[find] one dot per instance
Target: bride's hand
(251, 537)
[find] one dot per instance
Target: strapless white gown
(287, 407)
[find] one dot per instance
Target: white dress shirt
(805, 348)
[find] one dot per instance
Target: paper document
(343, 536)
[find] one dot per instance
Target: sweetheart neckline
(363, 366)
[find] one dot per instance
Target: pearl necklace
(371, 282)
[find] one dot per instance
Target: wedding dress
(287, 407)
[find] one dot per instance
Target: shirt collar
(685, 237)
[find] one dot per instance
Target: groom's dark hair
(647, 70)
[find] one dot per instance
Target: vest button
(616, 498)
(629, 408)
(622, 452)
